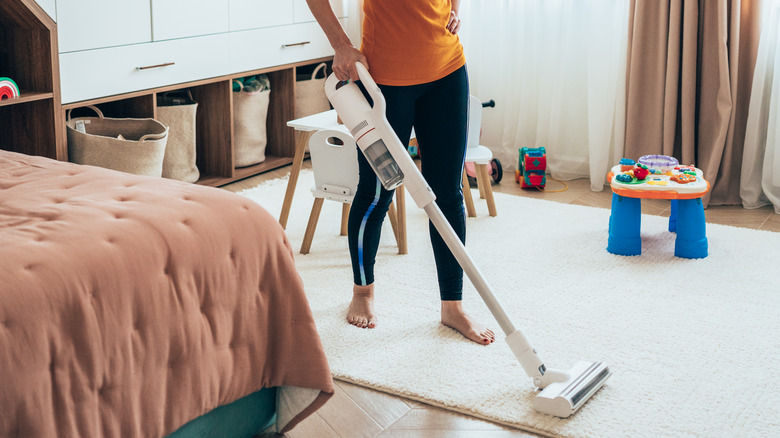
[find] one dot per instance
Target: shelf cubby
(30, 124)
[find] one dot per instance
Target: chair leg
(467, 196)
(480, 186)
(483, 181)
(345, 218)
(312, 225)
(400, 201)
(393, 218)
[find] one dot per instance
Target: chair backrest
(475, 122)
(334, 165)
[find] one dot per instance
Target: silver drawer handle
(155, 66)
(284, 46)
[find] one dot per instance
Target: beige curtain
(689, 78)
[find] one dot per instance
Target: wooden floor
(355, 411)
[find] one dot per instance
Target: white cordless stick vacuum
(562, 392)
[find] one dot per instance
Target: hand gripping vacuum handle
(374, 136)
(370, 128)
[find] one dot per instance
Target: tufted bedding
(131, 305)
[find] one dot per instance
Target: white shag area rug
(693, 344)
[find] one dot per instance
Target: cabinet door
(254, 14)
(302, 13)
(186, 18)
(90, 24)
(97, 73)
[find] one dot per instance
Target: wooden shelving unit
(30, 124)
(27, 96)
(35, 123)
(214, 135)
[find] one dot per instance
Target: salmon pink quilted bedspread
(131, 305)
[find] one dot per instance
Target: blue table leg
(673, 217)
(624, 225)
(691, 242)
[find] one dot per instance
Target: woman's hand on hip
(454, 23)
(344, 63)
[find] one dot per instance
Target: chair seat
(478, 155)
(332, 196)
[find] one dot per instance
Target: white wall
(355, 10)
(50, 7)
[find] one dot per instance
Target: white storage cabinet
(110, 47)
(91, 24)
(187, 18)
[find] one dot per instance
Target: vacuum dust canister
(356, 114)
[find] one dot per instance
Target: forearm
(456, 6)
(327, 20)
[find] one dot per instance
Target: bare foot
(453, 316)
(361, 309)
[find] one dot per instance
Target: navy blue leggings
(439, 113)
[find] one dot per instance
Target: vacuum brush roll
(562, 399)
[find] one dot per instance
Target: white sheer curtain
(557, 71)
(760, 182)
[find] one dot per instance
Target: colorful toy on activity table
(531, 169)
(8, 89)
(657, 177)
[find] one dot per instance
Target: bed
(134, 306)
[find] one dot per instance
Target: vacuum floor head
(563, 398)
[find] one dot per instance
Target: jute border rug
(693, 344)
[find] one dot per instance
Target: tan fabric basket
(128, 145)
(250, 111)
(178, 111)
(310, 95)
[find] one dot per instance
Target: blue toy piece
(624, 226)
(691, 242)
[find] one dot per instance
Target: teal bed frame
(244, 418)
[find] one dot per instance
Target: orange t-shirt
(406, 42)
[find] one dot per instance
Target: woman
(412, 51)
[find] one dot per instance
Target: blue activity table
(686, 218)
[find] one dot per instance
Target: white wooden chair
(333, 154)
(481, 157)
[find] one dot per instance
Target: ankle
(363, 291)
(452, 308)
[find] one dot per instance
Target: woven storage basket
(250, 111)
(177, 110)
(310, 95)
(128, 145)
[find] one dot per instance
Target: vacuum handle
(372, 88)
(331, 85)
